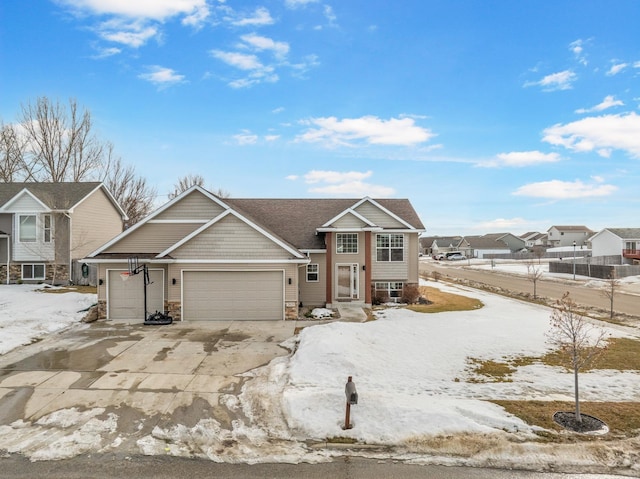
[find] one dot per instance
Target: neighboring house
(534, 238)
(212, 258)
(565, 236)
(432, 245)
(493, 243)
(621, 242)
(45, 227)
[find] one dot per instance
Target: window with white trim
(27, 226)
(33, 271)
(347, 243)
(390, 247)
(393, 289)
(313, 273)
(46, 228)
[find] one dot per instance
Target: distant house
(432, 245)
(493, 243)
(623, 242)
(565, 236)
(534, 238)
(46, 227)
(211, 258)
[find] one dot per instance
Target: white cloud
(577, 47)
(617, 68)
(260, 43)
(246, 138)
(344, 183)
(161, 76)
(291, 177)
(242, 61)
(134, 22)
(564, 190)
(298, 3)
(106, 52)
(271, 137)
(608, 102)
(323, 176)
(600, 133)
(367, 129)
(260, 16)
(277, 110)
(521, 158)
(556, 81)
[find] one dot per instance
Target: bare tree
(611, 287)
(538, 251)
(534, 274)
(187, 181)
(60, 142)
(579, 342)
(12, 148)
(131, 191)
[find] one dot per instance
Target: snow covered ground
(411, 371)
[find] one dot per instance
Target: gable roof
(625, 233)
(55, 196)
(488, 241)
(297, 220)
(570, 228)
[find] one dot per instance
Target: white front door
(347, 281)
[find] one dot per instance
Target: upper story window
(347, 243)
(390, 247)
(46, 228)
(27, 233)
(313, 273)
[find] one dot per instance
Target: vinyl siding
(230, 238)
(95, 221)
(314, 293)
(398, 270)
(196, 206)
(377, 216)
(348, 221)
(153, 237)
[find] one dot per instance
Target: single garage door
(233, 295)
(125, 299)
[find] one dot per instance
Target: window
(393, 289)
(347, 243)
(46, 228)
(33, 271)
(390, 247)
(312, 273)
(27, 228)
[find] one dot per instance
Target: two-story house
(46, 227)
(621, 242)
(565, 236)
(212, 258)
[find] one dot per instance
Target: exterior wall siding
(231, 238)
(196, 206)
(314, 293)
(348, 221)
(607, 244)
(153, 237)
(94, 222)
(378, 216)
(398, 270)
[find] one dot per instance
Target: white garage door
(233, 295)
(125, 299)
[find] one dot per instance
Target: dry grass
(70, 289)
(490, 371)
(622, 354)
(441, 301)
(623, 418)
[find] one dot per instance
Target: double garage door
(232, 295)
(126, 298)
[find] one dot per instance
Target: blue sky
(490, 116)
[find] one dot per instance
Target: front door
(347, 285)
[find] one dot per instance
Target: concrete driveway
(150, 375)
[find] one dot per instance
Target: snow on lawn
(410, 370)
(27, 315)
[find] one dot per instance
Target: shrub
(378, 297)
(410, 293)
(436, 276)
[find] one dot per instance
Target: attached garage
(126, 298)
(232, 295)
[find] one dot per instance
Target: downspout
(8, 256)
